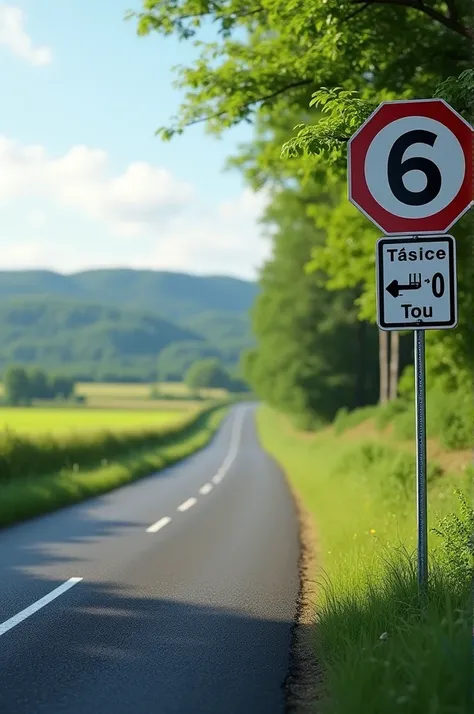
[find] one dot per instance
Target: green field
(40, 473)
(55, 420)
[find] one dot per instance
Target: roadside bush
(452, 417)
(345, 419)
(404, 423)
(449, 416)
(456, 550)
(385, 469)
(386, 414)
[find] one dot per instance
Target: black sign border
(417, 325)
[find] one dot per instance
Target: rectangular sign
(416, 283)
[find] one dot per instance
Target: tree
(175, 359)
(21, 386)
(383, 367)
(347, 261)
(237, 385)
(207, 373)
(394, 365)
(62, 387)
(276, 49)
(17, 386)
(313, 353)
(40, 386)
(263, 65)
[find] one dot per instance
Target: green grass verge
(362, 496)
(23, 498)
(450, 416)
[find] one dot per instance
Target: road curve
(175, 594)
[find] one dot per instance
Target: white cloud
(14, 37)
(170, 227)
(141, 198)
(227, 239)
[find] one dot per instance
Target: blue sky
(99, 188)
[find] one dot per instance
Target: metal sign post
(416, 290)
(421, 461)
(409, 172)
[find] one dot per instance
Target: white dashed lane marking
(28, 611)
(187, 504)
(158, 525)
(221, 473)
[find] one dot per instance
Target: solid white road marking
(158, 525)
(187, 504)
(207, 488)
(233, 449)
(16, 619)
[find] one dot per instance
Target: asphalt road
(173, 595)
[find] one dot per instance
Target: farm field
(112, 390)
(173, 396)
(34, 420)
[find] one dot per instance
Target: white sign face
(415, 167)
(416, 283)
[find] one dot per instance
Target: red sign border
(358, 146)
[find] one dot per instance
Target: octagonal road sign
(410, 167)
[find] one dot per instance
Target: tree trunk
(361, 377)
(383, 366)
(394, 362)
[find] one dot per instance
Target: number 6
(397, 168)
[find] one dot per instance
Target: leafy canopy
(264, 50)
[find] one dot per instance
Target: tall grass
(386, 649)
(382, 648)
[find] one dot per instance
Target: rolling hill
(113, 324)
(174, 296)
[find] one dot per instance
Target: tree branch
(246, 105)
(219, 17)
(452, 9)
(358, 10)
(450, 22)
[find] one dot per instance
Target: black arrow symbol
(395, 288)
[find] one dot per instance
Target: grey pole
(420, 409)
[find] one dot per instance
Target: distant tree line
(209, 373)
(22, 386)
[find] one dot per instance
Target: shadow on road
(108, 648)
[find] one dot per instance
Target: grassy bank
(380, 648)
(450, 418)
(79, 469)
